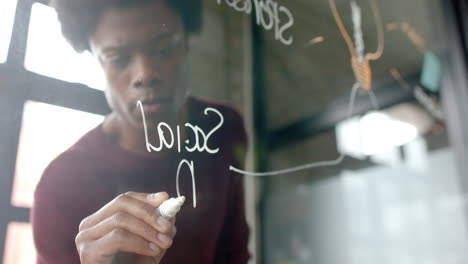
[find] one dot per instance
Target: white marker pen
(169, 208)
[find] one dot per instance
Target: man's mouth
(153, 105)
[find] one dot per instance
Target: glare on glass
(46, 132)
(7, 17)
(49, 54)
(19, 247)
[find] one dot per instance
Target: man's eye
(164, 51)
(118, 61)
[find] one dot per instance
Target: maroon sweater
(95, 170)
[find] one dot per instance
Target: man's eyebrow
(162, 36)
(152, 40)
(107, 50)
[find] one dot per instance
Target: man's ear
(107, 94)
(92, 48)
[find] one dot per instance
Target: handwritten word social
(170, 139)
(269, 14)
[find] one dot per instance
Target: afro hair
(79, 18)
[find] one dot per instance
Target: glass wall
(299, 131)
(393, 194)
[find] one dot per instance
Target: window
(46, 132)
(19, 244)
(46, 44)
(7, 16)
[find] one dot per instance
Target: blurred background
(400, 194)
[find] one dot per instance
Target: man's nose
(146, 72)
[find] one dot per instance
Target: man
(96, 203)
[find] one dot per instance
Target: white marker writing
(269, 14)
(286, 26)
(167, 140)
(218, 126)
(192, 173)
(307, 166)
(162, 139)
(198, 132)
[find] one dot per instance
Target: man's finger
(130, 223)
(120, 240)
(128, 204)
(154, 199)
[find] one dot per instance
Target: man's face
(142, 50)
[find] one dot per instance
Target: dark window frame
(18, 86)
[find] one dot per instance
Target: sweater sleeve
(235, 230)
(55, 213)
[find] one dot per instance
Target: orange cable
(380, 35)
(342, 28)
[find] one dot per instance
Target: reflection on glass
(410, 212)
(46, 131)
(46, 44)
(7, 16)
(379, 133)
(19, 247)
(400, 214)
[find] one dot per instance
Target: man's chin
(162, 113)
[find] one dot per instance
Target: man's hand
(128, 224)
